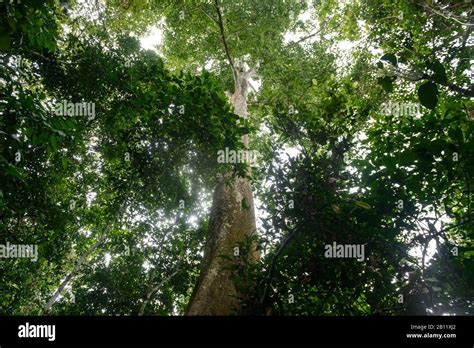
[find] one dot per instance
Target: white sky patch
(87, 9)
(292, 151)
(417, 252)
(209, 64)
(346, 45)
(90, 197)
(107, 259)
(306, 18)
(147, 266)
(193, 221)
(256, 84)
(439, 225)
(153, 39)
(85, 231)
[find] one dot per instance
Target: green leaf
(64, 163)
(428, 95)
(455, 134)
(389, 57)
(387, 84)
(407, 158)
(12, 170)
(53, 142)
(363, 205)
(439, 71)
(4, 41)
(244, 204)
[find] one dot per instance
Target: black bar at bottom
(194, 331)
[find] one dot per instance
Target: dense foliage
(370, 146)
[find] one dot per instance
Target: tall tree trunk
(230, 223)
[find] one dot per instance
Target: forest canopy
(273, 157)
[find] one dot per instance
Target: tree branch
(79, 263)
(273, 264)
(304, 38)
(445, 16)
(252, 87)
(253, 71)
(156, 288)
(71, 274)
(309, 36)
(224, 41)
(452, 87)
(208, 15)
(464, 91)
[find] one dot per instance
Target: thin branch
(208, 15)
(454, 226)
(309, 36)
(156, 288)
(452, 87)
(459, 50)
(78, 264)
(446, 16)
(40, 55)
(468, 195)
(253, 71)
(465, 39)
(236, 32)
(71, 274)
(416, 76)
(273, 264)
(224, 41)
(304, 38)
(252, 87)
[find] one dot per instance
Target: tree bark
(230, 223)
